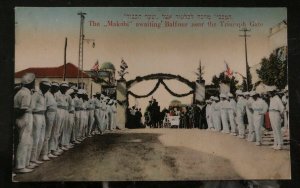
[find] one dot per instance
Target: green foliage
(273, 71)
(222, 78)
(249, 80)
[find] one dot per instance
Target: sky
(41, 32)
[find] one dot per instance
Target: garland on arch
(160, 81)
(147, 95)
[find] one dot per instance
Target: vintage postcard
(150, 94)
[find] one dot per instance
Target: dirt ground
(164, 154)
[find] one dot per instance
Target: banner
(200, 92)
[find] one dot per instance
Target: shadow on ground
(121, 156)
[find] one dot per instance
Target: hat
(45, 81)
(55, 84)
(28, 78)
(80, 92)
(64, 84)
(222, 96)
(74, 88)
(70, 91)
(238, 92)
(273, 88)
(216, 98)
(98, 93)
(212, 98)
(246, 93)
(230, 95)
(252, 93)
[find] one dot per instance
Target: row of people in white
(54, 118)
(227, 115)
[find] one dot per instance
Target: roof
(107, 65)
(53, 72)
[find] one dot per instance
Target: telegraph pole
(80, 52)
(245, 30)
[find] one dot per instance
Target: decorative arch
(160, 77)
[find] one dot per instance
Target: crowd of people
(238, 114)
(55, 118)
(248, 110)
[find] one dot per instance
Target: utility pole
(80, 52)
(245, 30)
(65, 59)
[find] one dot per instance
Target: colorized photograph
(150, 94)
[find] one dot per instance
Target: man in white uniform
(276, 110)
(240, 112)
(51, 106)
(67, 131)
(24, 123)
(285, 101)
(259, 107)
(103, 113)
(97, 113)
(216, 114)
(251, 132)
(224, 107)
(78, 101)
(38, 107)
(60, 118)
(91, 115)
(231, 114)
(208, 115)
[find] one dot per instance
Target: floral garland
(147, 95)
(156, 87)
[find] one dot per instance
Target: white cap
(80, 92)
(216, 98)
(230, 94)
(74, 88)
(64, 84)
(28, 78)
(238, 92)
(70, 91)
(252, 93)
(246, 93)
(46, 81)
(55, 83)
(222, 96)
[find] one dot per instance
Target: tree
(222, 78)
(273, 71)
(200, 73)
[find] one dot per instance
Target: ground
(165, 154)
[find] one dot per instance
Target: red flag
(228, 71)
(96, 66)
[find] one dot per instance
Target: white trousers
(98, 119)
(240, 122)
(231, 121)
(60, 118)
(38, 135)
(67, 131)
(217, 120)
(50, 117)
(104, 120)
(209, 122)
(276, 126)
(91, 115)
(251, 135)
(23, 153)
(258, 122)
(224, 118)
(77, 124)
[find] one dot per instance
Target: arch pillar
(122, 103)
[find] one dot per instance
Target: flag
(123, 64)
(228, 71)
(96, 66)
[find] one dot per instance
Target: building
(57, 74)
(277, 42)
